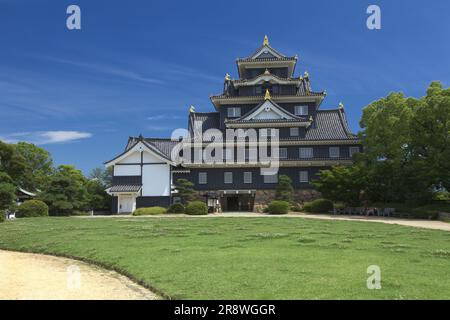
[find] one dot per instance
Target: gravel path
(37, 276)
(427, 224)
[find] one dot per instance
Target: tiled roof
(163, 145)
(266, 59)
(125, 188)
(329, 125)
(300, 94)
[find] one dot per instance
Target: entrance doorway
(126, 203)
(237, 202)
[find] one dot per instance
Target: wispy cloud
(46, 137)
(106, 69)
(164, 117)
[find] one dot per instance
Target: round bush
(32, 208)
(196, 208)
(279, 207)
(318, 206)
(149, 211)
(176, 208)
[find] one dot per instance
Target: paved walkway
(36, 276)
(427, 224)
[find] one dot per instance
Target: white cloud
(46, 137)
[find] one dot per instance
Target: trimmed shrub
(422, 213)
(318, 206)
(150, 211)
(32, 208)
(296, 207)
(196, 208)
(279, 207)
(176, 208)
(2, 216)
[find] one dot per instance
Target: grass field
(249, 258)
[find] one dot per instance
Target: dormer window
(234, 112)
(301, 110)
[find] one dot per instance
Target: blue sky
(137, 66)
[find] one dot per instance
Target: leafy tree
(66, 191)
(98, 198)
(284, 190)
(12, 163)
(342, 184)
(39, 163)
(185, 190)
(7, 191)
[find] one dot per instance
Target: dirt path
(36, 276)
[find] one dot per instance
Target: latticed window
(270, 178)
(334, 152)
(247, 177)
(306, 153)
(234, 112)
(304, 176)
(301, 110)
(202, 178)
(283, 153)
(294, 132)
(228, 177)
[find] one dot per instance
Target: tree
(7, 191)
(12, 163)
(185, 190)
(98, 198)
(39, 163)
(284, 190)
(66, 191)
(430, 137)
(341, 184)
(104, 176)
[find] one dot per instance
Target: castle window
(294, 132)
(306, 153)
(234, 112)
(301, 110)
(272, 178)
(202, 178)
(334, 152)
(353, 150)
(304, 176)
(283, 153)
(247, 177)
(228, 177)
(258, 90)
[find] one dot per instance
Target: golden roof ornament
(310, 118)
(266, 41)
(306, 74)
(191, 109)
(267, 95)
(227, 77)
(267, 71)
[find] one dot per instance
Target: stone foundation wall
(264, 197)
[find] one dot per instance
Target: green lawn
(249, 258)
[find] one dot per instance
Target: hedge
(196, 208)
(279, 207)
(32, 208)
(2, 216)
(318, 206)
(176, 208)
(149, 211)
